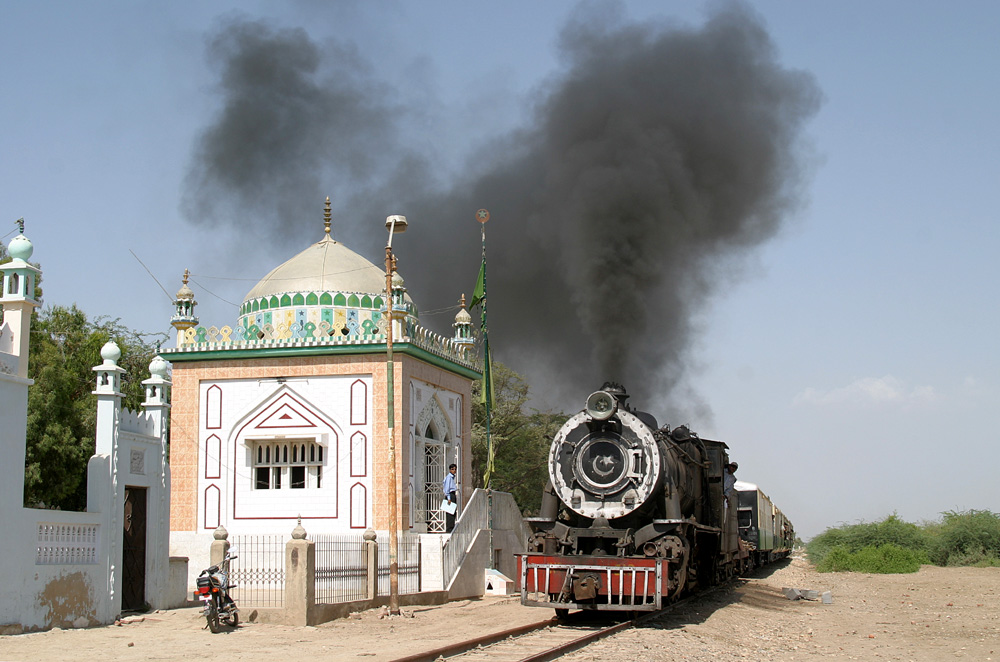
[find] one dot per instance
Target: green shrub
(966, 538)
(884, 559)
(977, 557)
(856, 537)
(838, 559)
(888, 559)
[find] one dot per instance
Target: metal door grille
(430, 504)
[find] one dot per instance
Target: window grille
(288, 464)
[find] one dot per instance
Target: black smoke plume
(296, 117)
(658, 157)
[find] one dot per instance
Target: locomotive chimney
(617, 390)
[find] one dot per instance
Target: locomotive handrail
(697, 525)
(665, 438)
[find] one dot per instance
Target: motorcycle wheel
(213, 618)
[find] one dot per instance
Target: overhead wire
(151, 275)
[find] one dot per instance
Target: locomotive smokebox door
(585, 587)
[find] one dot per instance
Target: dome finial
(20, 247)
(326, 217)
(185, 293)
(461, 301)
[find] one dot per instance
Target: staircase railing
(484, 506)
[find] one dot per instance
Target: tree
(65, 345)
(521, 441)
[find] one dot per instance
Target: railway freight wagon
(764, 530)
(633, 515)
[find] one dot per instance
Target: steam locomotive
(634, 516)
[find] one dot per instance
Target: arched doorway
(434, 450)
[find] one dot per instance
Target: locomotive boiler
(633, 515)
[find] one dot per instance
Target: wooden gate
(134, 550)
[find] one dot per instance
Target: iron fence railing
(258, 570)
(341, 568)
(408, 563)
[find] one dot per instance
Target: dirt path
(932, 615)
(935, 614)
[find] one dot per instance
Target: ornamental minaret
(184, 317)
(108, 389)
(17, 294)
(398, 302)
(463, 327)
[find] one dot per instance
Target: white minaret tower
(184, 304)
(109, 398)
(17, 294)
(398, 304)
(18, 280)
(157, 408)
(463, 327)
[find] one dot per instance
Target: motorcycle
(213, 590)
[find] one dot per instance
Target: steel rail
(457, 649)
(580, 642)
(469, 644)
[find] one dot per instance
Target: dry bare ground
(935, 614)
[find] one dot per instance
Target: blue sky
(851, 362)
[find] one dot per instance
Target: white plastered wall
(333, 411)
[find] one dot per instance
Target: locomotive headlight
(601, 405)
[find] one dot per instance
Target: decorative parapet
(324, 334)
(67, 544)
(138, 422)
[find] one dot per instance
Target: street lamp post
(393, 224)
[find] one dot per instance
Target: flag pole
(482, 216)
(479, 296)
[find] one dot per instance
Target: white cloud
(875, 391)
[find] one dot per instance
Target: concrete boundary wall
(51, 582)
(64, 568)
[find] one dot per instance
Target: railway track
(541, 641)
(544, 640)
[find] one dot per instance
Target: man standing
(450, 489)
(729, 479)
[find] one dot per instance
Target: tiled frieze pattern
(303, 334)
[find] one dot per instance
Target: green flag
(479, 293)
(486, 396)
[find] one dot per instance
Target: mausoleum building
(285, 414)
